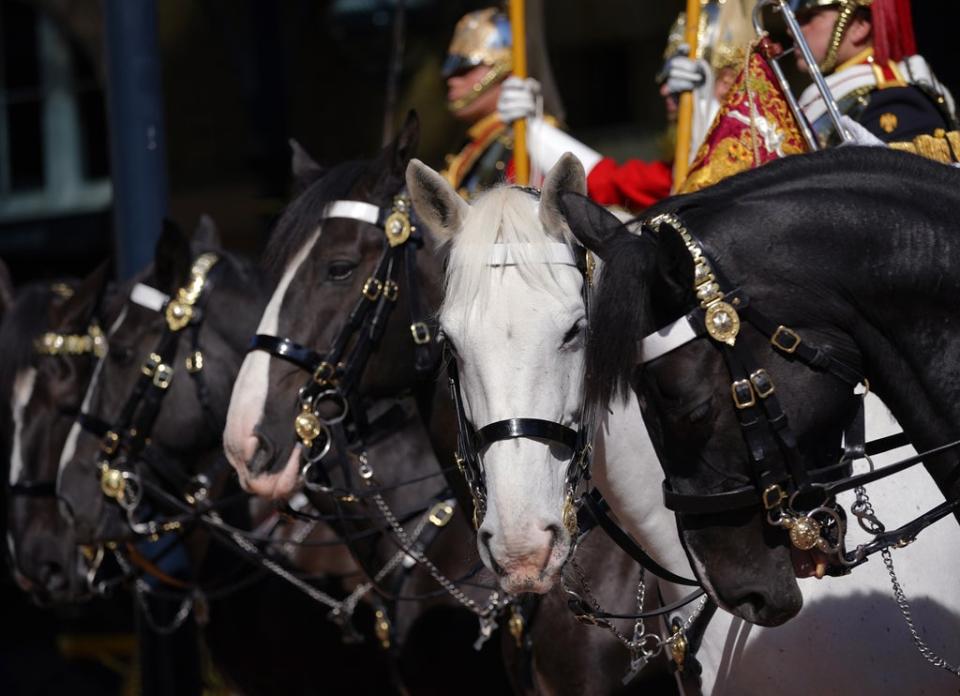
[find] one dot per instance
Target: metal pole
(681, 160)
(814, 69)
(137, 142)
(394, 70)
(518, 29)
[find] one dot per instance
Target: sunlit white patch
(250, 389)
(22, 391)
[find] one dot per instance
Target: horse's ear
(566, 175)
(435, 202)
(405, 145)
(674, 264)
(593, 225)
(171, 263)
(6, 289)
(303, 167)
(76, 311)
(206, 237)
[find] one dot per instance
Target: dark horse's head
(322, 267)
(793, 237)
(159, 428)
(49, 349)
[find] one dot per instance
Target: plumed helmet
(480, 38)
(893, 37)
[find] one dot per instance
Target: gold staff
(521, 159)
(681, 161)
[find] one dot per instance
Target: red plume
(893, 37)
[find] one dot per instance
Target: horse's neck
(628, 474)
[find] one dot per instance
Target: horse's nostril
(485, 537)
(264, 454)
(554, 529)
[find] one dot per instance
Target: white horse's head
(514, 315)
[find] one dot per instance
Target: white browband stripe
(666, 339)
(352, 210)
(148, 297)
(502, 254)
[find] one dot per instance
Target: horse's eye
(573, 332)
(341, 269)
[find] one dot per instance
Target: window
(53, 151)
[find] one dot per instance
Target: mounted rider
(478, 60)
(724, 29)
(867, 51)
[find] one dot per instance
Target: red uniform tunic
(634, 185)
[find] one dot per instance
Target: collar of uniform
(480, 128)
(861, 57)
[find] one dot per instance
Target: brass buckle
(420, 333)
(792, 342)
(194, 362)
(773, 497)
(163, 376)
(441, 514)
(741, 399)
(762, 383)
(391, 290)
(150, 365)
(372, 289)
(110, 442)
(324, 373)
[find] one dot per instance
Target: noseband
(471, 442)
(331, 396)
(779, 489)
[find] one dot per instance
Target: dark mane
(803, 187)
(828, 169)
(28, 318)
(301, 217)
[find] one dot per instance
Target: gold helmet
(847, 9)
(725, 31)
(480, 38)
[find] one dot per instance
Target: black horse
(44, 373)
(854, 253)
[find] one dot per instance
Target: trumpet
(812, 68)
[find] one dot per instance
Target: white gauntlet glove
(683, 74)
(518, 99)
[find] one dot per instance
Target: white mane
(502, 215)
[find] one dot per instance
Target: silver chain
(925, 650)
(643, 646)
(141, 589)
(867, 518)
(486, 615)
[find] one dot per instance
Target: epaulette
(942, 146)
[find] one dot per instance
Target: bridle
(52, 344)
(123, 442)
(330, 401)
(472, 442)
(783, 491)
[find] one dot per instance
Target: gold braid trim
(52, 343)
(496, 73)
(940, 147)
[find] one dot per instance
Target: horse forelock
(502, 215)
(303, 216)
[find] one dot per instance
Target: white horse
(514, 314)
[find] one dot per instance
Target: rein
(776, 487)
